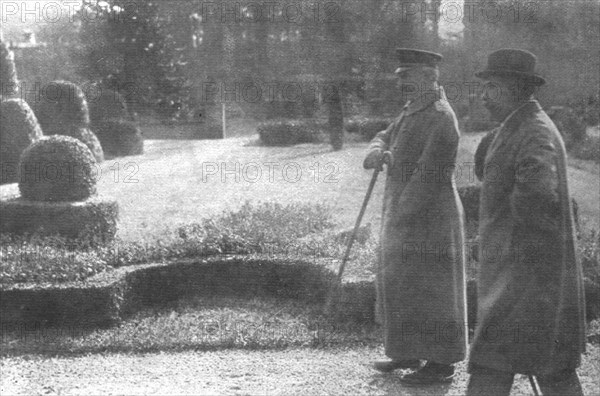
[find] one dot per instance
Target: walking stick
(532, 382)
(334, 294)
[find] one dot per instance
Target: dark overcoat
(531, 309)
(421, 274)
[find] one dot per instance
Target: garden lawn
(177, 182)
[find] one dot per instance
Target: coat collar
(424, 100)
(513, 121)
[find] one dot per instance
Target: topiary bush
(120, 138)
(57, 168)
(63, 105)
(108, 105)
(367, 127)
(64, 111)
(18, 129)
(8, 71)
(289, 132)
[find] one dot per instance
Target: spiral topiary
(63, 110)
(57, 168)
(8, 71)
(120, 138)
(18, 129)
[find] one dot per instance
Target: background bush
(18, 129)
(8, 71)
(57, 168)
(571, 127)
(367, 127)
(108, 105)
(290, 132)
(588, 149)
(64, 111)
(120, 138)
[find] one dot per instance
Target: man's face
(500, 96)
(409, 82)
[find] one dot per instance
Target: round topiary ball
(62, 106)
(18, 129)
(120, 138)
(8, 71)
(57, 168)
(89, 138)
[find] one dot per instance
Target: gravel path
(233, 372)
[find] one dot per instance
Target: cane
(334, 294)
(532, 382)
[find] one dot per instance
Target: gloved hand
(376, 158)
(373, 159)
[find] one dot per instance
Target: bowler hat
(410, 57)
(511, 62)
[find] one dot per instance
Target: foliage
(570, 126)
(46, 260)
(589, 254)
(18, 129)
(120, 138)
(57, 168)
(108, 105)
(93, 220)
(125, 48)
(63, 105)
(588, 149)
(289, 132)
(8, 71)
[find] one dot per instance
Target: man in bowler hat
(421, 275)
(531, 310)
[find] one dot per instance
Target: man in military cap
(531, 315)
(421, 275)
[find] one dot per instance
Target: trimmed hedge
(57, 168)
(290, 132)
(120, 138)
(64, 105)
(8, 71)
(94, 219)
(18, 129)
(89, 138)
(367, 127)
(109, 105)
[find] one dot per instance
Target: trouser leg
(489, 382)
(565, 383)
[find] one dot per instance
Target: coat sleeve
(535, 201)
(381, 141)
(434, 168)
(481, 152)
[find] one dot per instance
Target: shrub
(570, 126)
(290, 132)
(8, 71)
(89, 138)
(108, 105)
(93, 220)
(367, 127)
(63, 106)
(120, 138)
(46, 259)
(57, 168)
(18, 129)
(588, 149)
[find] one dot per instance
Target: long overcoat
(421, 275)
(531, 312)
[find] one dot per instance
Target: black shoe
(387, 366)
(430, 374)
